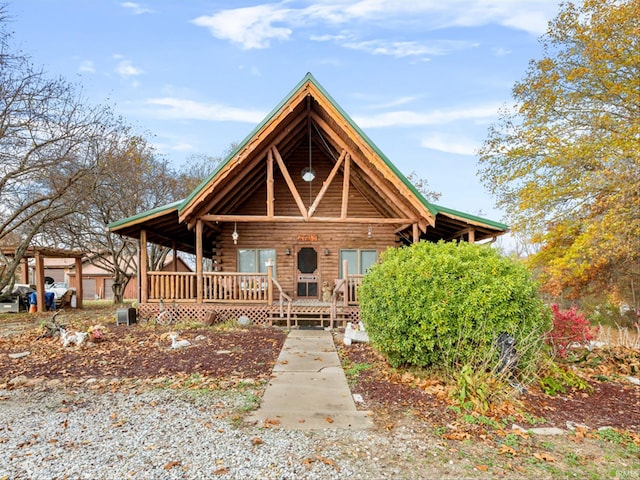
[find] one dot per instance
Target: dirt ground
(219, 357)
(220, 354)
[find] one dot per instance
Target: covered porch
(216, 297)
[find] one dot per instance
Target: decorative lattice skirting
(220, 313)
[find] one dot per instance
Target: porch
(217, 297)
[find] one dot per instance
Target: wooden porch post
(79, 293)
(345, 276)
(269, 282)
(416, 233)
(174, 252)
(142, 266)
(40, 282)
(472, 235)
(24, 271)
(199, 276)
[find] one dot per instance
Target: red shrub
(569, 327)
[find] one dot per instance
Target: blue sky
(423, 78)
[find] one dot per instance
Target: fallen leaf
(269, 422)
(457, 436)
(221, 471)
(507, 449)
(545, 457)
(328, 461)
(328, 419)
(170, 465)
(482, 468)
(257, 441)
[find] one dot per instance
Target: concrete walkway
(308, 388)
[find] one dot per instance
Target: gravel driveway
(78, 433)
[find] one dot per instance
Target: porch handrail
(338, 289)
(283, 297)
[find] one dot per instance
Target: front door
(307, 273)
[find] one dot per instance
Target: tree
(199, 167)
(47, 133)
(564, 162)
(422, 185)
(130, 178)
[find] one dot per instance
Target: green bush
(444, 305)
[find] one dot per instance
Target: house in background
(97, 282)
(290, 221)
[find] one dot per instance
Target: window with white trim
(254, 260)
(358, 260)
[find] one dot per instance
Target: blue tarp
(49, 300)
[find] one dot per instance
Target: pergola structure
(39, 254)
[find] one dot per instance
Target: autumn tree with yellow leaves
(564, 162)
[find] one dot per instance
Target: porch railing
(217, 287)
(172, 286)
(232, 287)
(235, 287)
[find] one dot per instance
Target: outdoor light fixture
(326, 251)
(287, 251)
(308, 174)
(370, 232)
(235, 235)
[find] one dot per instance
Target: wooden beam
(24, 271)
(40, 282)
(416, 233)
(266, 131)
(460, 233)
(393, 199)
(292, 219)
(79, 293)
(345, 186)
(327, 183)
(144, 280)
(199, 276)
(270, 184)
(289, 180)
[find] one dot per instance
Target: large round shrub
(445, 304)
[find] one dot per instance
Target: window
(358, 261)
(254, 260)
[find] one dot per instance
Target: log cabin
(287, 225)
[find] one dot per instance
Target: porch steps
(320, 317)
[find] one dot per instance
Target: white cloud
(500, 51)
(87, 67)
(251, 27)
(136, 8)
(176, 108)
(408, 49)
(126, 69)
(406, 118)
(258, 26)
(450, 144)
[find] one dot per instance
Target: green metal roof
(144, 215)
(471, 218)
